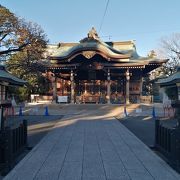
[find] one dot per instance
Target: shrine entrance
(93, 71)
(95, 91)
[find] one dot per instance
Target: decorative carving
(98, 66)
(152, 54)
(88, 54)
(93, 34)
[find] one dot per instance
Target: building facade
(93, 71)
(172, 83)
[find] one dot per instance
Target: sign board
(62, 99)
(34, 97)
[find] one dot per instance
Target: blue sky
(70, 20)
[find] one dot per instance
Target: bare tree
(170, 48)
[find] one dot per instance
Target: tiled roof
(174, 78)
(11, 79)
(112, 51)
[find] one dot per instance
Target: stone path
(91, 146)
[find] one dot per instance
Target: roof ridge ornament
(92, 35)
(152, 54)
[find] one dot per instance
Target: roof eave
(97, 51)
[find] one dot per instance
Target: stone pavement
(91, 146)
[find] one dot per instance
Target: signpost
(62, 99)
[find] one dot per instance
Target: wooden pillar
(54, 84)
(127, 86)
(141, 88)
(178, 89)
(108, 87)
(141, 85)
(72, 86)
(62, 87)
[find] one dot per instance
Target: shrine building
(7, 80)
(93, 71)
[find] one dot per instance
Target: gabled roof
(9, 78)
(64, 51)
(92, 45)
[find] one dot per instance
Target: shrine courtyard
(89, 143)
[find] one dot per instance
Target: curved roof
(91, 45)
(9, 78)
(172, 79)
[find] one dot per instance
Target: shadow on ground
(144, 127)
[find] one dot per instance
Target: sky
(145, 21)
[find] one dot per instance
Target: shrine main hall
(93, 71)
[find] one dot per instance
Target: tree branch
(3, 37)
(14, 50)
(176, 52)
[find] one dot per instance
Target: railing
(12, 142)
(90, 99)
(167, 141)
(2, 102)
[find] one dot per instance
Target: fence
(167, 141)
(12, 142)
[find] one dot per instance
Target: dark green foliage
(147, 86)
(172, 93)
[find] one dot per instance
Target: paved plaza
(90, 144)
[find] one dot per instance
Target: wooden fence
(12, 142)
(167, 141)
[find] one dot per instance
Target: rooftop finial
(93, 34)
(152, 54)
